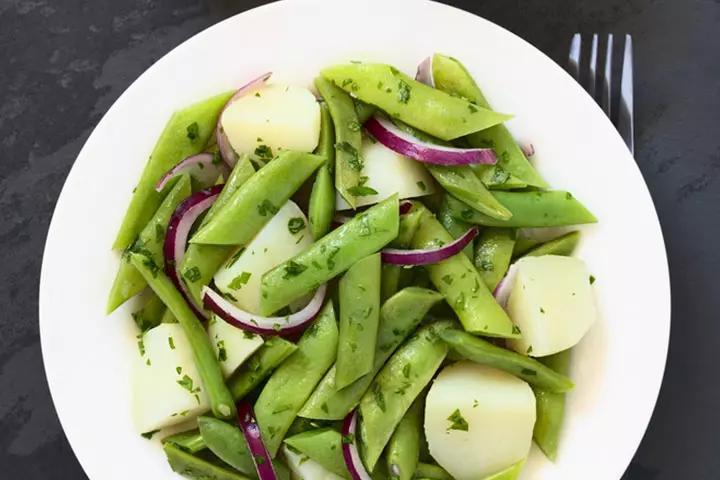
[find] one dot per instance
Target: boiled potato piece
(304, 468)
(387, 173)
(478, 420)
(552, 303)
(167, 388)
(273, 118)
(283, 237)
(232, 345)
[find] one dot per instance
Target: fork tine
(626, 125)
(574, 57)
(606, 98)
(592, 81)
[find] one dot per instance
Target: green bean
(150, 315)
(331, 255)
(510, 473)
(529, 209)
(423, 107)
(190, 441)
(359, 317)
(456, 228)
(399, 316)
(322, 198)
(394, 276)
(293, 382)
(525, 368)
(128, 281)
(431, 472)
(403, 449)
(185, 134)
(301, 425)
(228, 443)
(324, 446)
(551, 408)
(364, 110)
(194, 467)
(258, 199)
(348, 161)
(221, 400)
(524, 245)
(452, 77)
(563, 245)
(168, 317)
(458, 280)
(259, 366)
(396, 386)
(201, 262)
(493, 253)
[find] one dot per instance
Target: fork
(625, 119)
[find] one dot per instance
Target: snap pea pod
(329, 256)
(528, 369)
(168, 317)
(128, 281)
(194, 467)
(510, 473)
(493, 252)
(348, 137)
(301, 425)
(322, 197)
(258, 199)
(403, 450)
(292, 383)
(563, 245)
(364, 110)
(228, 443)
(458, 280)
(185, 134)
(221, 400)
(431, 472)
(551, 208)
(456, 228)
(399, 316)
(452, 77)
(150, 315)
(323, 445)
(259, 366)
(524, 245)
(190, 441)
(431, 110)
(359, 317)
(202, 261)
(394, 276)
(397, 385)
(551, 408)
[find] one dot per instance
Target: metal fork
(625, 118)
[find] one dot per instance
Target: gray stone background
(63, 63)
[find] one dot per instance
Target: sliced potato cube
(232, 345)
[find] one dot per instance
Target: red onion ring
(504, 288)
(264, 325)
(177, 234)
(256, 444)
(400, 142)
(200, 166)
(431, 255)
(350, 450)
(425, 72)
(223, 143)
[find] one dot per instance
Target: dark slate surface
(63, 63)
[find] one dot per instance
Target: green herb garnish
(295, 224)
(458, 422)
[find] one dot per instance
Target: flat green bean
(456, 228)
(292, 383)
(458, 280)
(330, 256)
(228, 443)
(403, 450)
(359, 317)
(394, 276)
(322, 197)
(397, 385)
(323, 445)
(399, 316)
(528, 369)
(150, 315)
(551, 408)
(510, 473)
(431, 472)
(493, 253)
(168, 317)
(194, 467)
(348, 137)
(190, 441)
(259, 366)
(185, 134)
(128, 281)
(553, 208)
(563, 245)
(452, 77)
(201, 262)
(258, 199)
(418, 105)
(364, 110)
(221, 400)
(524, 245)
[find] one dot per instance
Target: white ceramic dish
(617, 368)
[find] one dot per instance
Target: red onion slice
(223, 143)
(425, 72)
(350, 449)
(177, 234)
(264, 325)
(400, 142)
(428, 256)
(200, 166)
(504, 288)
(405, 207)
(256, 445)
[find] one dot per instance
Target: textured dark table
(63, 63)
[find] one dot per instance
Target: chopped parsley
(467, 214)
(149, 435)
(361, 191)
(192, 275)
(404, 91)
(448, 279)
(592, 279)
(475, 404)
(394, 71)
(458, 422)
(234, 258)
(500, 175)
(228, 296)
(193, 131)
(379, 396)
(159, 233)
(259, 460)
(346, 82)
(324, 407)
(403, 389)
(295, 224)
(421, 185)
(293, 269)
(222, 352)
(171, 342)
(355, 162)
(178, 370)
(141, 347)
(248, 335)
(529, 350)
(348, 439)
(542, 310)
(239, 281)
(263, 152)
(187, 383)
(472, 108)
(460, 301)
(217, 158)
(516, 330)
(267, 207)
(354, 126)
(528, 372)
(331, 255)
(406, 370)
